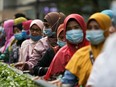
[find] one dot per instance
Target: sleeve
(69, 78)
(41, 67)
(23, 51)
(74, 64)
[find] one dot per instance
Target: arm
(69, 78)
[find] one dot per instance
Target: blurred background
(39, 8)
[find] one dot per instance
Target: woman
(36, 28)
(103, 73)
(74, 28)
(41, 68)
(8, 29)
(52, 20)
(81, 63)
(60, 36)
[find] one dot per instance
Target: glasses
(35, 29)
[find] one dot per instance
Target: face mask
(61, 43)
(48, 32)
(24, 34)
(35, 38)
(95, 36)
(18, 36)
(74, 36)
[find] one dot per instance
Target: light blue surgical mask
(35, 38)
(48, 32)
(18, 36)
(74, 36)
(61, 43)
(95, 36)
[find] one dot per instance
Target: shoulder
(42, 44)
(25, 42)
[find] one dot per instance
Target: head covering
(108, 12)
(54, 19)
(19, 20)
(65, 53)
(60, 29)
(104, 22)
(26, 25)
(38, 22)
(8, 28)
(104, 72)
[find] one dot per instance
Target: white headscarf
(104, 69)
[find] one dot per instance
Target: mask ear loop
(57, 23)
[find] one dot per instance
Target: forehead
(72, 23)
(34, 26)
(92, 22)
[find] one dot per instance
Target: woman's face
(93, 25)
(71, 25)
(61, 36)
(16, 30)
(35, 30)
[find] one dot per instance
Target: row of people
(39, 46)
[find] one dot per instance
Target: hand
(56, 82)
(19, 65)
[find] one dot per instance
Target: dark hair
(19, 15)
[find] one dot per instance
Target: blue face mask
(35, 38)
(18, 36)
(74, 36)
(95, 36)
(48, 32)
(61, 43)
(24, 34)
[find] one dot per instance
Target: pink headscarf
(38, 22)
(8, 28)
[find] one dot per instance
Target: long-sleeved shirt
(39, 51)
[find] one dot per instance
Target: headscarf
(65, 53)
(60, 29)
(8, 28)
(104, 72)
(19, 20)
(38, 22)
(104, 22)
(108, 12)
(26, 25)
(54, 19)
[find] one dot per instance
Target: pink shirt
(26, 50)
(38, 52)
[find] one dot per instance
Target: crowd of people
(62, 49)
